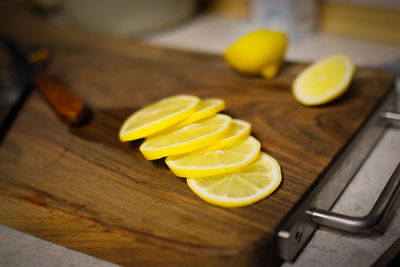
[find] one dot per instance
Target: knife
(27, 69)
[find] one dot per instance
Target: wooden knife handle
(68, 107)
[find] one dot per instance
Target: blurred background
(366, 29)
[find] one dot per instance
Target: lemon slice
(239, 131)
(157, 116)
(240, 188)
(205, 163)
(324, 81)
(207, 108)
(259, 52)
(188, 138)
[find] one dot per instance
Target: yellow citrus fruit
(324, 80)
(207, 108)
(240, 188)
(186, 139)
(205, 163)
(239, 131)
(259, 52)
(157, 116)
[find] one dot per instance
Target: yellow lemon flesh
(207, 108)
(259, 52)
(204, 163)
(157, 116)
(239, 131)
(186, 139)
(324, 81)
(239, 188)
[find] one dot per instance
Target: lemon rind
(235, 54)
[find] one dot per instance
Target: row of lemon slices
(220, 159)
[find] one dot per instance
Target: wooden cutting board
(83, 189)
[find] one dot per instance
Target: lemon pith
(240, 188)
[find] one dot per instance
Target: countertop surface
(211, 33)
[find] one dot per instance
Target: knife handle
(68, 107)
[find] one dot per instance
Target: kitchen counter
(212, 34)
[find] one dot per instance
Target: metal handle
(299, 226)
(358, 224)
(377, 213)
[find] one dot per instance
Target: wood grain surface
(83, 189)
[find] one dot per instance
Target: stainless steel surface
(298, 226)
(358, 224)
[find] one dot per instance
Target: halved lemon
(240, 188)
(157, 116)
(188, 138)
(324, 81)
(207, 108)
(205, 163)
(239, 131)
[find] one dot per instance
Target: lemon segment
(324, 80)
(157, 116)
(205, 163)
(259, 52)
(207, 108)
(241, 188)
(186, 139)
(239, 131)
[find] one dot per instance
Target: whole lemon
(259, 52)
